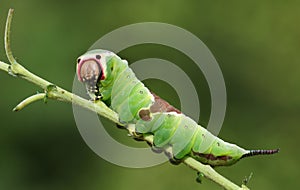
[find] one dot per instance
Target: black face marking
(98, 56)
(93, 88)
(78, 60)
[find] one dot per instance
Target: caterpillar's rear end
(118, 87)
(188, 138)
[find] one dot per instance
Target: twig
(211, 174)
(8, 51)
(29, 100)
(52, 91)
(4, 66)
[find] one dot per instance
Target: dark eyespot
(98, 57)
(78, 60)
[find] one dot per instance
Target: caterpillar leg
(132, 132)
(169, 153)
(96, 98)
(157, 150)
(174, 161)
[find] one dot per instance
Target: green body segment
(125, 94)
(188, 138)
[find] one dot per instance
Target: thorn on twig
(200, 177)
(247, 179)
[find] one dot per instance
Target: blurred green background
(255, 43)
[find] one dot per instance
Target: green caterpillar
(108, 77)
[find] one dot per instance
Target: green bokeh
(257, 47)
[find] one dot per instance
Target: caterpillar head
(91, 66)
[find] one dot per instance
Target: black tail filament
(260, 152)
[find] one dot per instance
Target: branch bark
(55, 92)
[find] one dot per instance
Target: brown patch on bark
(161, 105)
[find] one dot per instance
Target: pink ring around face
(82, 61)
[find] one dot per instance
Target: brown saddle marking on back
(159, 105)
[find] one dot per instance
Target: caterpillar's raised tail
(260, 152)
